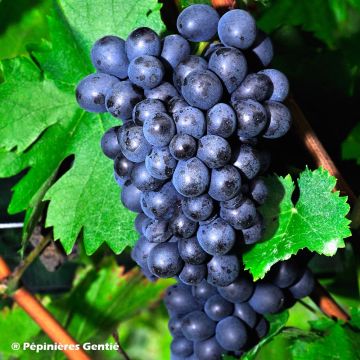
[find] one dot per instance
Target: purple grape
(192, 274)
(146, 71)
(183, 147)
(229, 64)
(267, 298)
(175, 49)
(280, 120)
(231, 333)
(108, 56)
(159, 129)
(142, 41)
(197, 326)
(214, 151)
(221, 120)
(239, 290)
(198, 22)
(217, 308)
(223, 270)
(143, 180)
(191, 251)
(191, 121)
(110, 143)
(242, 217)
(146, 109)
(280, 84)
(163, 92)
(130, 197)
(160, 164)
(198, 208)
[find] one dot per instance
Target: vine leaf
(41, 126)
(317, 221)
(327, 340)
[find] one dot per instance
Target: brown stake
(321, 297)
(43, 318)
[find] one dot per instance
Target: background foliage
(50, 157)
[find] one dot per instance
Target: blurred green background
(317, 44)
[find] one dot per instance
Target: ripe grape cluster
(189, 157)
(207, 322)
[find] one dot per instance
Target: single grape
(245, 312)
(267, 298)
(237, 28)
(191, 121)
(280, 84)
(203, 291)
(241, 217)
(183, 147)
(181, 346)
(304, 286)
(263, 48)
(225, 183)
(223, 270)
(163, 92)
(142, 179)
(133, 144)
(198, 208)
(259, 190)
(108, 56)
(179, 300)
(231, 333)
(160, 164)
(158, 231)
(229, 64)
(262, 328)
(141, 250)
(175, 324)
(217, 308)
(146, 71)
(123, 167)
(198, 22)
(175, 104)
(234, 202)
(208, 349)
(92, 89)
(254, 233)
(192, 274)
(164, 260)
(185, 67)
(239, 290)
(146, 109)
(110, 143)
(202, 89)
(159, 204)
(183, 226)
(175, 49)
(191, 251)
(159, 129)
(130, 197)
(191, 177)
(280, 120)
(256, 87)
(248, 161)
(197, 326)
(121, 98)
(216, 238)
(214, 151)
(139, 222)
(221, 120)
(285, 273)
(142, 41)
(251, 116)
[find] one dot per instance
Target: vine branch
(121, 349)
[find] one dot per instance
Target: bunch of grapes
(189, 158)
(207, 322)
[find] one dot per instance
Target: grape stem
(312, 143)
(43, 318)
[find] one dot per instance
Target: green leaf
(185, 3)
(11, 320)
(41, 127)
(316, 222)
(277, 323)
(103, 299)
(329, 340)
(351, 145)
(328, 20)
(29, 27)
